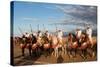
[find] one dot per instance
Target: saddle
(46, 46)
(22, 45)
(83, 46)
(74, 45)
(34, 46)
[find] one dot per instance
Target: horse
(64, 45)
(15, 40)
(80, 44)
(84, 45)
(92, 47)
(87, 47)
(34, 45)
(72, 47)
(46, 45)
(28, 43)
(56, 45)
(42, 45)
(22, 45)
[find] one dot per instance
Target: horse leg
(53, 50)
(94, 51)
(75, 50)
(23, 51)
(93, 54)
(84, 54)
(48, 52)
(70, 53)
(45, 52)
(65, 50)
(30, 50)
(37, 51)
(56, 52)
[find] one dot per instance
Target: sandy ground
(51, 59)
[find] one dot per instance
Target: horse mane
(74, 37)
(34, 39)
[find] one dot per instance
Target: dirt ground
(51, 59)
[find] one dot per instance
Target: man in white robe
(78, 36)
(89, 33)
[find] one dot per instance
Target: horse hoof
(71, 56)
(93, 55)
(23, 55)
(84, 58)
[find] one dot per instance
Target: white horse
(56, 45)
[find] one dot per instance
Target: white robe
(60, 35)
(78, 33)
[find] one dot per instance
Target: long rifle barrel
(31, 28)
(20, 30)
(56, 27)
(38, 27)
(44, 27)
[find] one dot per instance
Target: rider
(78, 36)
(35, 34)
(60, 36)
(47, 34)
(39, 34)
(28, 38)
(27, 35)
(23, 39)
(70, 39)
(89, 33)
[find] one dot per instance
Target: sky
(47, 16)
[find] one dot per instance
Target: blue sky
(26, 13)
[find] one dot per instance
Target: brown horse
(87, 47)
(77, 45)
(82, 45)
(27, 43)
(92, 47)
(72, 45)
(46, 41)
(42, 45)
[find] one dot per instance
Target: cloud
(79, 15)
(29, 19)
(79, 11)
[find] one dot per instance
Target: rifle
(56, 27)
(44, 28)
(38, 27)
(31, 28)
(20, 30)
